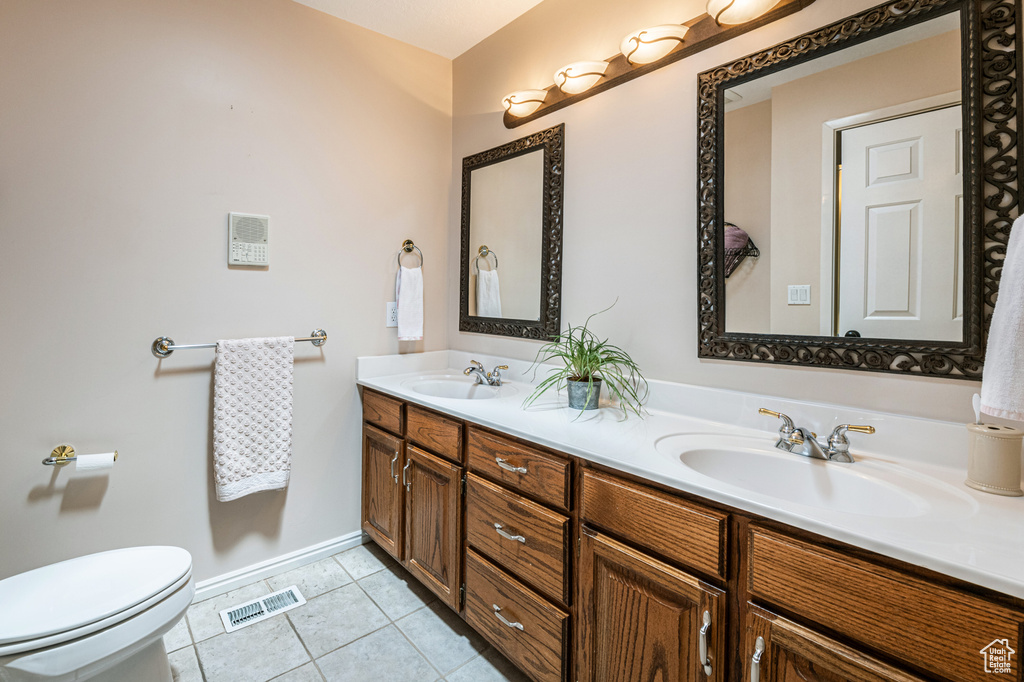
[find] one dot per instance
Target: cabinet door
(433, 523)
(641, 619)
(778, 650)
(382, 492)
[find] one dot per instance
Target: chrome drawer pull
(755, 662)
(702, 644)
(508, 536)
(393, 474)
(405, 481)
(508, 467)
(504, 620)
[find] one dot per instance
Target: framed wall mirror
(511, 263)
(857, 185)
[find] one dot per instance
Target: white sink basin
(864, 488)
(457, 387)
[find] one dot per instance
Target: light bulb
(578, 77)
(732, 12)
(651, 44)
(523, 102)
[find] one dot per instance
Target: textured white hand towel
(488, 294)
(409, 294)
(252, 416)
(1002, 386)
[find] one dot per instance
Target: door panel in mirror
(876, 128)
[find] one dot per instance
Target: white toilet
(99, 617)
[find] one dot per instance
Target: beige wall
(506, 214)
(130, 129)
(748, 205)
(799, 110)
(630, 197)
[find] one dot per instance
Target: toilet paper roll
(994, 459)
(84, 463)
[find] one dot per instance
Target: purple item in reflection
(738, 246)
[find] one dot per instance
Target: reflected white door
(901, 239)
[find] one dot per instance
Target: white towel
(488, 294)
(1002, 388)
(252, 416)
(409, 294)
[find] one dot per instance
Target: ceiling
(444, 27)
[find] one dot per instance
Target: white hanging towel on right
(488, 295)
(1002, 385)
(409, 295)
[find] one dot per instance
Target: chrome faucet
(482, 377)
(801, 441)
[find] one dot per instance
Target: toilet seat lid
(74, 593)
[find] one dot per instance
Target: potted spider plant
(588, 364)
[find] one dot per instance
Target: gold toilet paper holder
(64, 454)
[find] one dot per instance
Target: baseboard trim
(286, 562)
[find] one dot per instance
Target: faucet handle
(840, 431)
(839, 444)
(787, 427)
(476, 364)
(501, 367)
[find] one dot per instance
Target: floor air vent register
(251, 612)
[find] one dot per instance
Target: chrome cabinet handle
(405, 482)
(702, 644)
(393, 474)
(504, 620)
(508, 467)
(755, 662)
(508, 536)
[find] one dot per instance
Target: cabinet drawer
(536, 550)
(532, 633)
(677, 529)
(435, 432)
(383, 412)
(521, 468)
(930, 626)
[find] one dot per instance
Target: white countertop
(957, 531)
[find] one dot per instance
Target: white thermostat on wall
(248, 239)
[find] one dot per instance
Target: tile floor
(365, 619)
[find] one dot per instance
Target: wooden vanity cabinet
(412, 499)
(382, 500)
(598, 576)
(926, 624)
(778, 650)
(433, 523)
(642, 619)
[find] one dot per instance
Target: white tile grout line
(296, 632)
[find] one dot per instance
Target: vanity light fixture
(651, 44)
(578, 77)
(523, 102)
(733, 12)
(646, 50)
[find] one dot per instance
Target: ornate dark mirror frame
(552, 141)
(992, 70)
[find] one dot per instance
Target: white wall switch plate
(391, 314)
(799, 294)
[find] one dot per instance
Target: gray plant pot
(578, 394)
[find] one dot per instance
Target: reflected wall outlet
(391, 314)
(799, 294)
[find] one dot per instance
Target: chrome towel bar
(164, 345)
